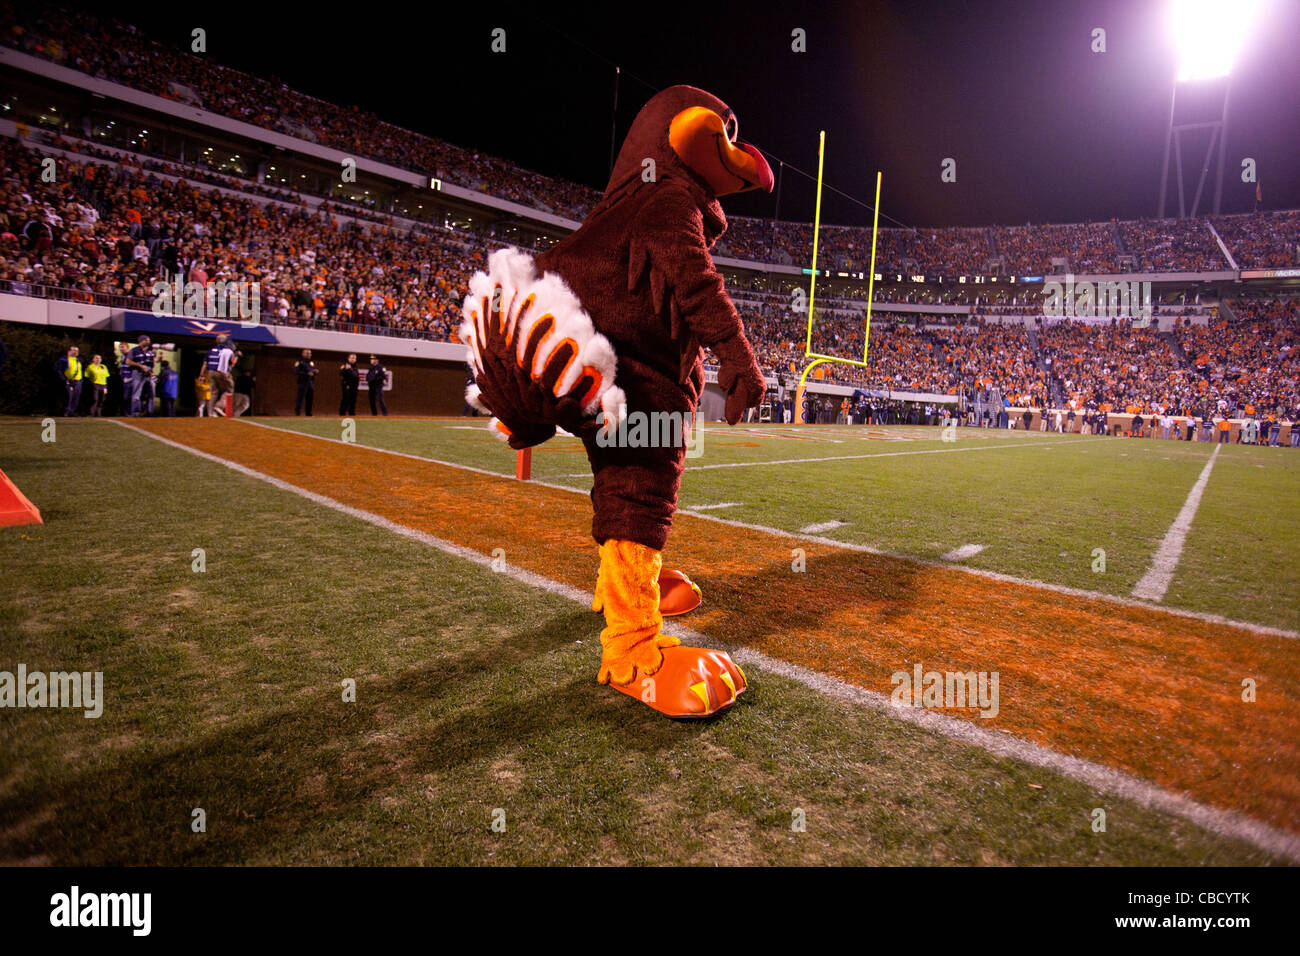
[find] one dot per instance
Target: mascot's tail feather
(527, 308)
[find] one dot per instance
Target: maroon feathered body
(641, 267)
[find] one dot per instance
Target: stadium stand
(107, 49)
(1269, 240)
(112, 223)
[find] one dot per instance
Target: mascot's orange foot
(692, 682)
(677, 593)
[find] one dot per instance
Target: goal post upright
(817, 357)
(817, 223)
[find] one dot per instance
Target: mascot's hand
(739, 376)
(529, 435)
(570, 416)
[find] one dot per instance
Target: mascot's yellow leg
(627, 590)
(637, 658)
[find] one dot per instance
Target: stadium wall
(420, 387)
(428, 377)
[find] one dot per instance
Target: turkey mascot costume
(609, 325)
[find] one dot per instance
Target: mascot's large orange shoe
(678, 594)
(637, 658)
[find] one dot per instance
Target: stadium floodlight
(1209, 35)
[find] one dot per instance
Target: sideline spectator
(168, 386)
(245, 382)
(220, 361)
(202, 393)
(141, 359)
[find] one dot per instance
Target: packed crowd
(100, 230)
(110, 50)
(1167, 245)
(1171, 245)
(920, 352)
(1266, 240)
(114, 230)
(996, 355)
(1029, 250)
(848, 248)
(1251, 360)
(1113, 365)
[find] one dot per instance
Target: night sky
(1042, 129)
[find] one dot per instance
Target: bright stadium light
(1209, 35)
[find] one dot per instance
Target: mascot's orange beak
(707, 144)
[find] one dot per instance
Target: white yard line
(1226, 823)
(1156, 581)
(789, 436)
(878, 454)
(964, 552)
(1261, 629)
(723, 504)
(822, 526)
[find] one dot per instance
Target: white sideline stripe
(821, 526)
(1156, 581)
(1226, 823)
(964, 552)
(879, 454)
(724, 504)
(1265, 630)
(402, 454)
(809, 461)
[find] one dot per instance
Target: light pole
(1209, 34)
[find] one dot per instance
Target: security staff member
(72, 374)
(376, 375)
(97, 372)
(306, 372)
(350, 379)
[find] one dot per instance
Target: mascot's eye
(732, 127)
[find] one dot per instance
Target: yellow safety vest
(98, 374)
(73, 371)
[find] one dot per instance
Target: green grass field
(476, 692)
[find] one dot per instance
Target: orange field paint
(1155, 694)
